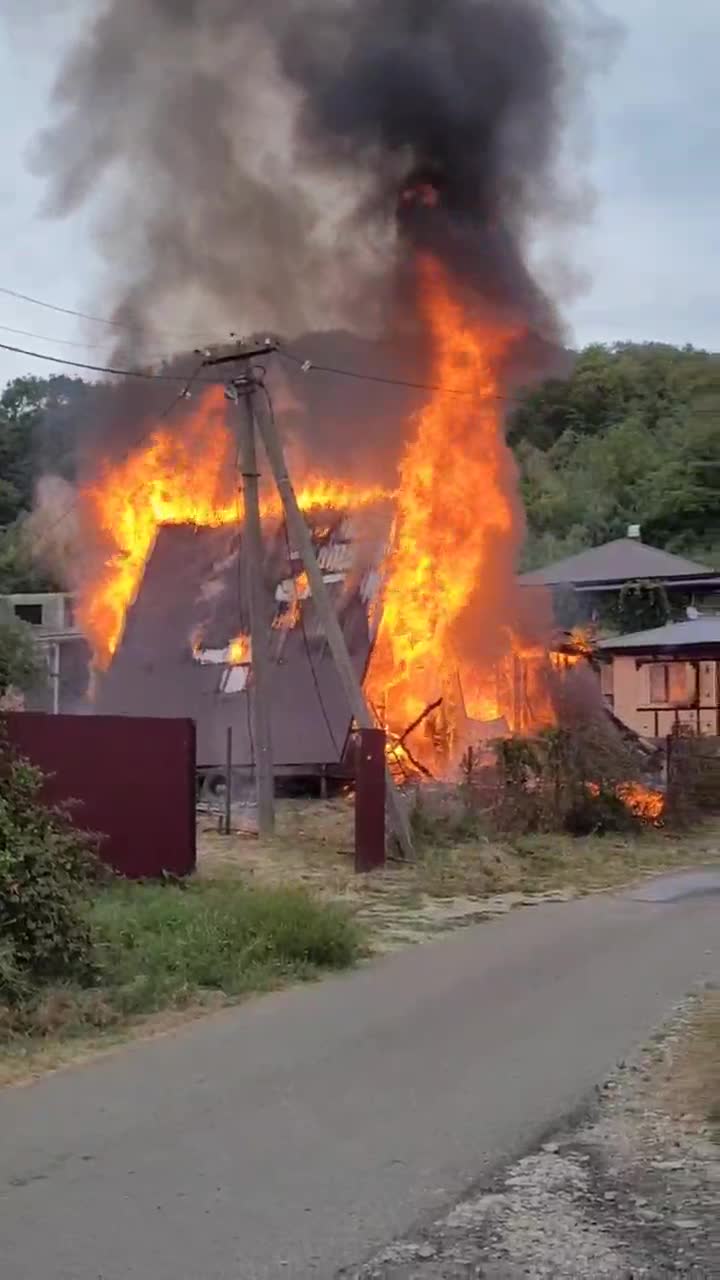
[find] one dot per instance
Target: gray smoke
(248, 161)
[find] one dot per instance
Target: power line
(309, 366)
(102, 368)
(70, 342)
(84, 315)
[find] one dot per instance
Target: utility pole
(242, 390)
(300, 535)
(55, 676)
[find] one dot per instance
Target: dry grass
(454, 878)
(694, 1085)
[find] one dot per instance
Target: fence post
(370, 801)
(227, 816)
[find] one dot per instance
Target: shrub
(46, 867)
(20, 665)
(568, 778)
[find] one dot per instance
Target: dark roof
(623, 560)
(154, 672)
(695, 634)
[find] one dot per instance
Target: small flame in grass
(642, 801)
(646, 804)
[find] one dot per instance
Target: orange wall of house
(631, 689)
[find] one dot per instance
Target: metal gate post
(370, 801)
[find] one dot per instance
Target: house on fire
(185, 650)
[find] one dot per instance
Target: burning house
(424, 140)
(189, 653)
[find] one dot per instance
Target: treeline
(632, 436)
(38, 427)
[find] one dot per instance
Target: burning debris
(643, 802)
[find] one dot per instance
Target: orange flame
(642, 801)
(455, 522)
(646, 804)
(239, 651)
(454, 506)
(175, 478)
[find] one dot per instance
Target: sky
(649, 252)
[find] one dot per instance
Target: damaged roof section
(186, 652)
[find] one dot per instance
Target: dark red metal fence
(370, 800)
(134, 779)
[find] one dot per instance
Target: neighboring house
(666, 677)
(597, 576)
(51, 616)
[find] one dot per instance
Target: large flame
(443, 638)
(455, 512)
(176, 477)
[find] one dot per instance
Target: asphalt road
(295, 1135)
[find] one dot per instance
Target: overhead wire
(84, 315)
(71, 342)
(134, 444)
(144, 374)
(309, 366)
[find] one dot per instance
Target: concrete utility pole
(242, 391)
(300, 535)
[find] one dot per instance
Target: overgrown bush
(568, 778)
(46, 868)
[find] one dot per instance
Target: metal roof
(194, 586)
(620, 561)
(696, 633)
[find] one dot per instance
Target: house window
(31, 613)
(670, 683)
(659, 683)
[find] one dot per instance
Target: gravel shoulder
(631, 1192)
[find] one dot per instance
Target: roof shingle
(696, 633)
(623, 560)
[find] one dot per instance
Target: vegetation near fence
(47, 869)
(693, 777)
(81, 951)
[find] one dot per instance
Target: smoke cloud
(247, 160)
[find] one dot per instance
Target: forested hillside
(631, 437)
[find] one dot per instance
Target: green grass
(161, 945)
(172, 947)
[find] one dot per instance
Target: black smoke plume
(248, 161)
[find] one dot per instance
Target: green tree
(632, 436)
(20, 664)
(642, 606)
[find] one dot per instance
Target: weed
(161, 947)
